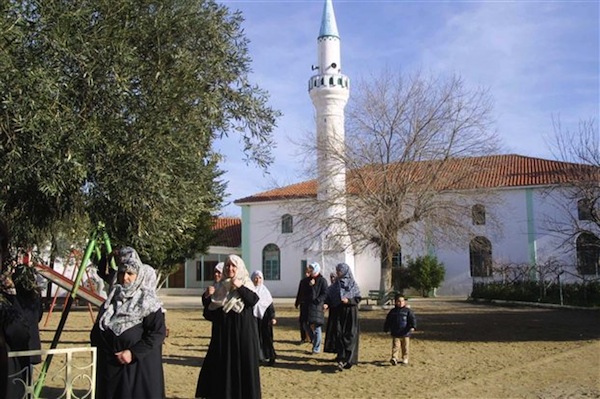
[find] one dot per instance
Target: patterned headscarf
(264, 296)
(344, 286)
(127, 305)
(233, 301)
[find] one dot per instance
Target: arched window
(480, 257)
(584, 209)
(270, 262)
(588, 254)
(478, 214)
(287, 223)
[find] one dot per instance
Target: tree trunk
(385, 282)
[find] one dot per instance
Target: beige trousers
(400, 343)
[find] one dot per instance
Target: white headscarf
(218, 297)
(127, 305)
(316, 269)
(233, 301)
(264, 297)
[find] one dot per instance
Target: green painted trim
(531, 233)
(246, 233)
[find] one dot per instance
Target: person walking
(330, 326)
(315, 318)
(15, 331)
(400, 322)
(264, 311)
(235, 373)
(302, 298)
(344, 300)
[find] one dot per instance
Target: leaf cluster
(109, 112)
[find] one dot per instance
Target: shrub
(425, 273)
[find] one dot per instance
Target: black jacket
(399, 321)
(318, 293)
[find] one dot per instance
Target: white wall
(510, 243)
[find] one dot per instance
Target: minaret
(329, 91)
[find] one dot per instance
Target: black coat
(143, 378)
(15, 331)
(231, 367)
(303, 297)
(318, 293)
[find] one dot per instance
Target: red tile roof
(228, 232)
(494, 171)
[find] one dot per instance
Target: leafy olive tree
(109, 111)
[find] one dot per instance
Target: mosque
(270, 237)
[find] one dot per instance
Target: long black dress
(143, 378)
(213, 355)
(348, 332)
(235, 373)
(331, 328)
(303, 297)
(265, 336)
(15, 331)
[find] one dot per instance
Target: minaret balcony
(327, 81)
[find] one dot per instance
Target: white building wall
(265, 222)
(510, 244)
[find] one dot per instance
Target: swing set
(98, 240)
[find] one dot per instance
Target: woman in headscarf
(129, 333)
(211, 301)
(236, 372)
(330, 332)
(14, 326)
(343, 299)
(264, 311)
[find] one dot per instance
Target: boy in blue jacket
(400, 322)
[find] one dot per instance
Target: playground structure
(74, 377)
(97, 243)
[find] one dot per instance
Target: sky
(539, 60)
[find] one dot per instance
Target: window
(397, 259)
(588, 254)
(209, 269)
(287, 224)
(271, 256)
(480, 257)
(584, 209)
(478, 214)
(303, 265)
(205, 269)
(198, 270)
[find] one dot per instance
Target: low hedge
(573, 294)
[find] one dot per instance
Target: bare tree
(577, 220)
(413, 145)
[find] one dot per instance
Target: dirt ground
(460, 350)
